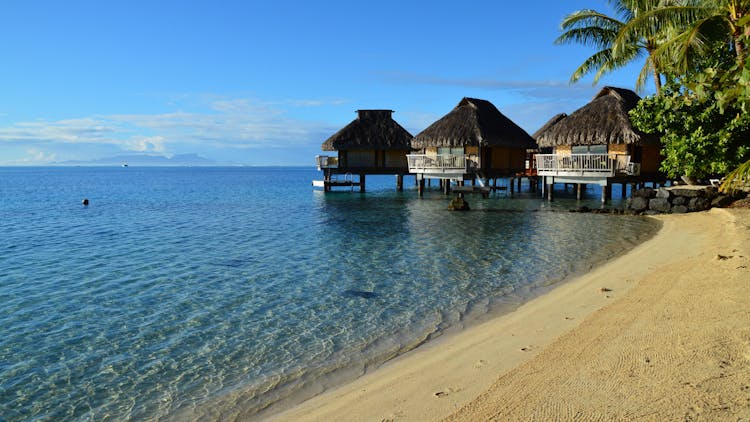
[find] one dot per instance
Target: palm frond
(654, 22)
(622, 8)
(599, 60)
(590, 35)
(646, 72)
(737, 178)
(685, 48)
(589, 17)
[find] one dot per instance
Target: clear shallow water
(188, 291)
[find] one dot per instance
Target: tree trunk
(739, 48)
(657, 81)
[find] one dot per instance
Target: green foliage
(701, 46)
(702, 132)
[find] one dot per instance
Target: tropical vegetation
(700, 49)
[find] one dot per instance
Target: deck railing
(326, 162)
(440, 163)
(585, 165)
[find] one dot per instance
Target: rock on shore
(677, 200)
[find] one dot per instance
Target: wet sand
(660, 333)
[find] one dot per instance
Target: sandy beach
(660, 333)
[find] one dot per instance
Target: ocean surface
(231, 292)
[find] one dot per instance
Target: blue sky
(265, 83)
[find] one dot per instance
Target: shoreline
(447, 374)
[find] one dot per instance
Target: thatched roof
(604, 120)
(372, 129)
(551, 122)
(473, 122)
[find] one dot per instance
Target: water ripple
(218, 292)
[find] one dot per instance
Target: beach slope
(661, 333)
(676, 347)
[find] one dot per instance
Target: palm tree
(697, 26)
(589, 27)
(694, 25)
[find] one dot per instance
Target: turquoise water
(221, 292)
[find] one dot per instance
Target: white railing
(440, 163)
(326, 162)
(585, 165)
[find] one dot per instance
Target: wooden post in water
(361, 182)
(519, 184)
(512, 185)
(420, 187)
(579, 190)
(550, 189)
(446, 186)
(400, 182)
(604, 193)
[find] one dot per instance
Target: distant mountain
(147, 160)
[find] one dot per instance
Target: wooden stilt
(550, 195)
(579, 190)
(420, 187)
(446, 186)
(624, 190)
(400, 182)
(511, 183)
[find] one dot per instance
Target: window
(454, 151)
(589, 149)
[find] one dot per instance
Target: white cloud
(223, 123)
(38, 156)
(148, 144)
(33, 156)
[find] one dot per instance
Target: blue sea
(221, 293)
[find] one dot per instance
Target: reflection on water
(181, 293)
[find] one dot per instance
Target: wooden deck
(588, 167)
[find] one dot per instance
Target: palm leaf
(737, 178)
(598, 60)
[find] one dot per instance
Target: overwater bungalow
(473, 142)
(532, 153)
(597, 144)
(373, 143)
